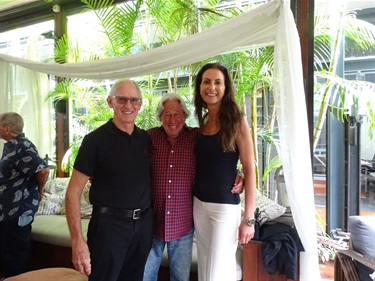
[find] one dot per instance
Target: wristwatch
(248, 221)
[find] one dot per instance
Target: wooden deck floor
(327, 271)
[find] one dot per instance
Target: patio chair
(357, 263)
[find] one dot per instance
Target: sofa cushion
(53, 229)
(362, 233)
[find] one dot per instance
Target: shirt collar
(113, 130)
(15, 139)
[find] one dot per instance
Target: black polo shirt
(119, 165)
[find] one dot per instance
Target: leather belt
(121, 213)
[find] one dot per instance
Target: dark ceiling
(32, 12)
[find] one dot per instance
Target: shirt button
(168, 212)
(169, 196)
(171, 166)
(171, 151)
(169, 181)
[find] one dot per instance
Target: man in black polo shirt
(116, 158)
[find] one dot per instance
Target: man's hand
(239, 184)
(41, 179)
(42, 195)
(81, 257)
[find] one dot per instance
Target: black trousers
(119, 247)
(15, 248)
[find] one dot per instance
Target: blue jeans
(179, 258)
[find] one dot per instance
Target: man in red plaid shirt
(172, 175)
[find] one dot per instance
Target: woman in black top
(225, 137)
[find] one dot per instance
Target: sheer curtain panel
(269, 24)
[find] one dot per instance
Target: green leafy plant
(328, 36)
(326, 245)
(252, 69)
(250, 66)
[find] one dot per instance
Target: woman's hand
(245, 233)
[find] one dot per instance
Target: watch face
(249, 221)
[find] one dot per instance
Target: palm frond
(118, 23)
(348, 93)
(146, 118)
(361, 32)
(275, 163)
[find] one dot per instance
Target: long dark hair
(229, 114)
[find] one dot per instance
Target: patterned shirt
(19, 195)
(172, 177)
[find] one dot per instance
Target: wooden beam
(61, 106)
(29, 13)
(303, 11)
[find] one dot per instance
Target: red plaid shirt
(172, 178)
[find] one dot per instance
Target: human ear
(109, 101)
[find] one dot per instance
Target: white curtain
(255, 28)
(24, 91)
(270, 24)
(294, 140)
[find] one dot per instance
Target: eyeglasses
(124, 100)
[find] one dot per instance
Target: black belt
(121, 213)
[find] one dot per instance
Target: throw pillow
(268, 209)
(51, 204)
(86, 207)
(54, 197)
(56, 185)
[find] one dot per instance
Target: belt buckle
(136, 214)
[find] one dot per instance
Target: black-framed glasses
(124, 100)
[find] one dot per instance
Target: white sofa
(53, 229)
(51, 238)
(50, 233)
(51, 241)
